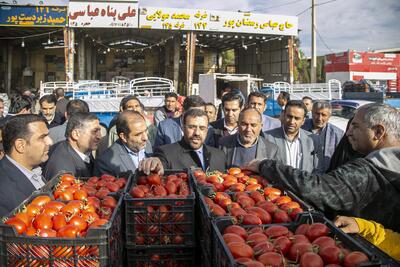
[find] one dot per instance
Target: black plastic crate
(101, 246)
(52, 183)
(223, 257)
(160, 257)
(147, 226)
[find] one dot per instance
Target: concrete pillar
(94, 64)
(69, 51)
(9, 68)
(81, 59)
(167, 57)
(177, 55)
(88, 61)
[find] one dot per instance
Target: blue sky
(343, 24)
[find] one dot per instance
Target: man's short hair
(75, 106)
(126, 99)
(298, 104)
(171, 94)
(20, 102)
(246, 110)
(232, 96)
(193, 101)
(1, 100)
(122, 123)
(285, 95)
(59, 92)
(379, 113)
(321, 104)
(48, 99)
(18, 127)
(78, 121)
(195, 112)
(257, 94)
(306, 97)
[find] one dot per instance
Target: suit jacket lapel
(124, 155)
(261, 149)
(23, 185)
(280, 142)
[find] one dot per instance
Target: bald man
(130, 148)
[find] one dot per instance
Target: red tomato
(249, 219)
(272, 259)
(67, 178)
(41, 200)
(262, 248)
(43, 221)
(256, 238)
(354, 259)
(136, 192)
(236, 229)
(302, 229)
(311, 259)
(230, 237)
(234, 171)
(69, 231)
(282, 244)
(18, 225)
(298, 249)
(324, 241)
(59, 222)
(277, 231)
(109, 201)
(239, 250)
(80, 194)
(154, 179)
(331, 255)
(280, 216)
(316, 230)
(264, 216)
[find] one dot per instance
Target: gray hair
(388, 116)
(320, 104)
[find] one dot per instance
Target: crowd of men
(295, 150)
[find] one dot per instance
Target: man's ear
(122, 137)
(75, 134)
(379, 131)
(20, 145)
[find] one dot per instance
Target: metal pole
(291, 59)
(192, 60)
(187, 62)
(177, 53)
(313, 44)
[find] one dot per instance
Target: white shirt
(136, 157)
(83, 156)
(293, 151)
(34, 176)
(229, 130)
(200, 154)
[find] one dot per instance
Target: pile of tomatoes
(70, 188)
(155, 186)
(248, 198)
(308, 246)
(160, 222)
(64, 217)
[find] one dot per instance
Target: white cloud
(343, 24)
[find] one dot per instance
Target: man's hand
(149, 165)
(347, 224)
(252, 165)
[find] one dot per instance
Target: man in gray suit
(297, 147)
(57, 133)
(130, 148)
(247, 144)
(328, 134)
(258, 100)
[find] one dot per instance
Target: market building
(108, 40)
(383, 69)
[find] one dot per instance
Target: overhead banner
(33, 16)
(36, 2)
(219, 21)
(103, 15)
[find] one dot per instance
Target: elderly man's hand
(347, 224)
(149, 165)
(252, 166)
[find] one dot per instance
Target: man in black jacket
(74, 155)
(26, 144)
(365, 187)
(190, 151)
(247, 144)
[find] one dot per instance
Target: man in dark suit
(48, 111)
(26, 144)
(247, 144)
(191, 151)
(74, 155)
(232, 104)
(57, 133)
(297, 147)
(258, 100)
(130, 148)
(170, 130)
(61, 106)
(328, 134)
